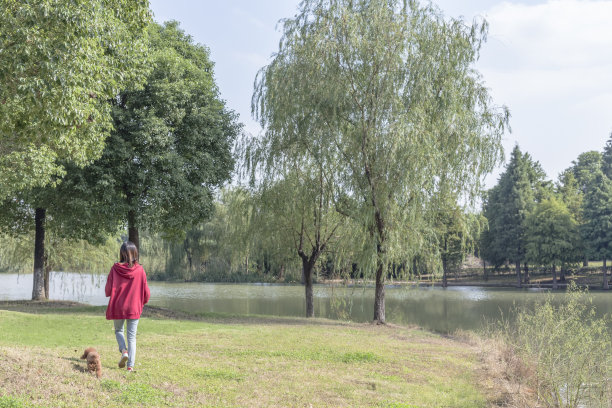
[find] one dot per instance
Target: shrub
(569, 348)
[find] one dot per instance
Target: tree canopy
(390, 91)
(60, 62)
(171, 143)
(506, 208)
(552, 235)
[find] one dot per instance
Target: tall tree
(405, 114)
(507, 206)
(598, 219)
(301, 205)
(570, 193)
(585, 167)
(171, 143)
(606, 158)
(60, 62)
(552, 236)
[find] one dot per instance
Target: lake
(434, 308)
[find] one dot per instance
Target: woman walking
(128, 291)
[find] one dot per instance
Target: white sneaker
(124, 359)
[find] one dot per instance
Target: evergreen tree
(552, 236)
(597, 229)
(585, 167)
(569, 192)
(606, 158)
(507, 206)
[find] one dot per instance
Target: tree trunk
(307, 267)
(605, 275)
(38, 287)
(379, 296)
(554, 273)
(444, 273)
(133, 229)
(562, 277)
(484, 269)
(527, 279)
(585, 261)
(518, 273)
(281, 272)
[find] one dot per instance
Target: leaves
(59, 64)
(171, 143)
(383, 96)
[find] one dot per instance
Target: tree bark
(307, 272)
(518, 273)
(379, 296)
(605, 275)
(527, 279)
(38, 287)
(554, 273)
(308, 264)
(133, 229)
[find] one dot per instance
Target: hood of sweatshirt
(125, 271)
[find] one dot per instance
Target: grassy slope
(230, 361)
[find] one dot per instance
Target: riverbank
(187, 360)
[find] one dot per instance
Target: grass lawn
(225, 361)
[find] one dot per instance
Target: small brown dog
(93, 361)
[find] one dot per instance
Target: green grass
(231, 361)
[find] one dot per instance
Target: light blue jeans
(132, 327)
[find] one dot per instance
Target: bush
(569, 348)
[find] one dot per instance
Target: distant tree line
(532, 220)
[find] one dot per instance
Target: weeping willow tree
(386, 92)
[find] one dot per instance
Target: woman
(128, 291)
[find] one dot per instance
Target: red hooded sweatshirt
(128, 291)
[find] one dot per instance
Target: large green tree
(585, 167)
(391, 89)
(506, 208)
(171, 143)
(552, 236)
(60, 62)
(597, 228)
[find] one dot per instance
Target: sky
(549, 62)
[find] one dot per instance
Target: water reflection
(443, 310)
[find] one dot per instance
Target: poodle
(93, 361)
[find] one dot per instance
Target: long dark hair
(128, 253)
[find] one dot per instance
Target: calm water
(443, 310)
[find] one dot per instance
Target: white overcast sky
(549, 61)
